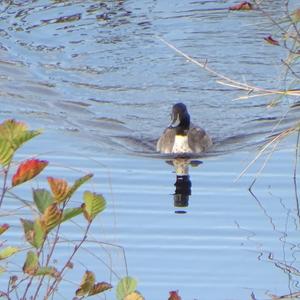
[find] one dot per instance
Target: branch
(225, 80)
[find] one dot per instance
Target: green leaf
(22, 137)
(50, 271)
(6, 152)
(80, 181)
(70, 213)
(42, 199)
(8, 251)
(27, 225)
(12, 135)
(93, 205)
(126, 286)
(28, 229)
(86, 284)
(31, 264)
(38, 234)
(34, 232)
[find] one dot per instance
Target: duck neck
(183, 126)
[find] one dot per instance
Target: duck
(181, 136)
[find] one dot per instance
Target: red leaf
(3, 228)
(28, 170)
(174, 295)
(245, 5)
(271, 41)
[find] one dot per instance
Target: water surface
(95, 76)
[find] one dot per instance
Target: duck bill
(175, 121)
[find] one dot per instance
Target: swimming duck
(182, 136)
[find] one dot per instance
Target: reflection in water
(284, 230)
(182, 192)
(183, 184)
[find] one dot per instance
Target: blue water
(100, 83)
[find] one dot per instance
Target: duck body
(182, 136)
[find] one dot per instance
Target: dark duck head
(180, 119)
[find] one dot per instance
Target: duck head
(180, 118)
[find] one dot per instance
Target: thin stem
(3, 294)
(15, 287)
(56, 239)
(227, 80)
(27, 287)
(4, 187)
(59, 275)
(275, 139)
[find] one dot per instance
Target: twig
(275, 139)
(3, 294)
(56, 239)
(264, 164)
(59, 275)
(4, 187)
(225, 80)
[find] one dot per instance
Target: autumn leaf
(295, 16)
(13, 280)
(28, 229)
(271, 41)
(245, 5)
(59, 188)
(28, 170)
(51, 217)
(47, 271)
(86, 284)
(100, 287)
(3, 228)
(8, 251)
(34, 233)
(174, 295)
(134, 296)
(31, 264)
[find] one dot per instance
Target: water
(100, 83)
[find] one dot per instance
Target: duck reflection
(184, 140)
(183, 184)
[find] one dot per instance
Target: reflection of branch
(286, 297)
(295, 174)
(290, 68)
(10, 2)
(275, 140)
(263, 209)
